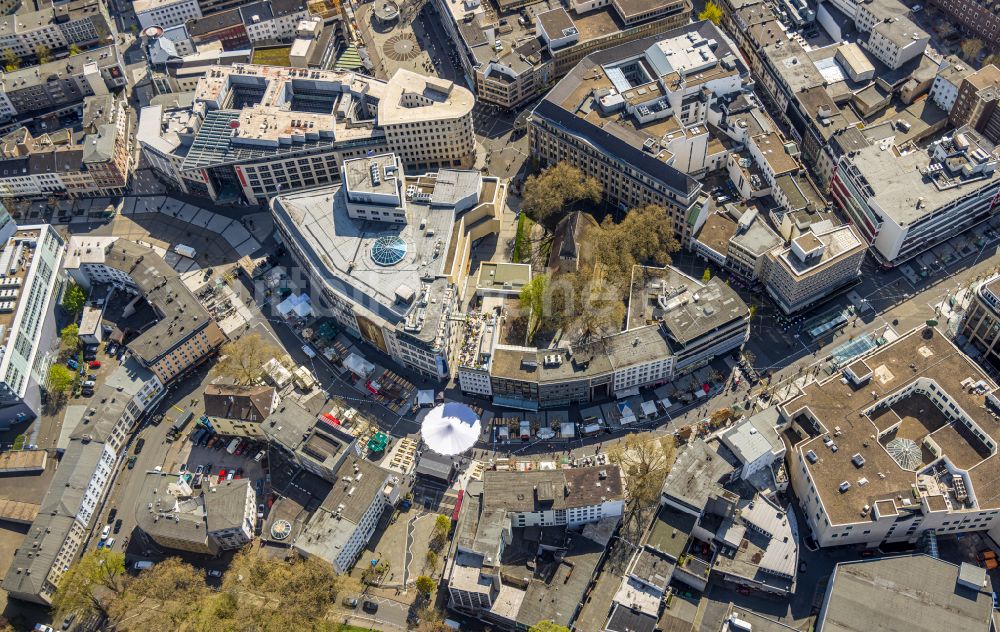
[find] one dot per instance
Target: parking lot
(211, 461)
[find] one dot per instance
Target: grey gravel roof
(916, 593)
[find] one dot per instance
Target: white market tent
(450, 428)
(649, 409)
(627, 416)
(358, 365)
(297, 304)
(425, 397)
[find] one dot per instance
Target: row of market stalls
(633, 408)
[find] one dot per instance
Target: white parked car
(106, 532)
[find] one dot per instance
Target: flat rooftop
(670, 531)
(503, 276)
(902, 188)
(34, 76)
(360, 171)
(686, 307)
(716, 232)
(598, 358)
(256, 112)
(340, 249)
(696, 475)
(846, 411)
(16, 257)
(517, 492)
(839, 242)
(572, 102)
(22, 461)
(917, 593)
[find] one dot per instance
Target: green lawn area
(353, 628)
(522, 239)
(271, 56)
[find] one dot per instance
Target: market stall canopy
(425, 397)
(358, 365)
(297, 303)
(450, 428)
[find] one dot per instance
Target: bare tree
(243, 359)
(557, 189)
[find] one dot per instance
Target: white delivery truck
(185, 251)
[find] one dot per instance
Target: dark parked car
(138, 445)
(118, 525)
(369, 606)
(112, 514)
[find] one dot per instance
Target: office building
(338, 530)
(755, 443)
(813, 266)
(96, 160)
(634, 117)
(981, 17)
(308, 42)
(513, 561)
(80, 23)
(225, 27)
(60, 86)
(892, 37)
(905, 203)
(902, 443)
(976, 103)
(96, 436)
(913, 592)
(736, 239)
(30, 284)
(205, 521)
(273, 20)
(982, 321)
(314, 445)
(165, 13)
(389, 253)
(165, 133)
(511, 59)
(177, 73)
(330, 506)
(265, 130)
(675, 325)
(181, 334)
(709, 524)
(947, 81)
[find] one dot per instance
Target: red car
(94, 364)
(222, 475)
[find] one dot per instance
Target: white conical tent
(450, 428)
